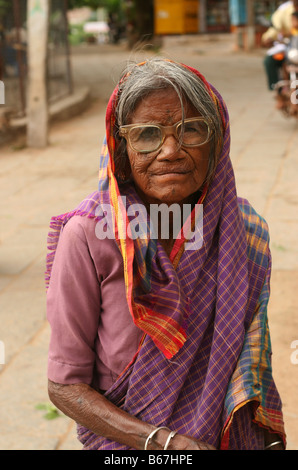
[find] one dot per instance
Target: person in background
(281, 28)
(294, 29)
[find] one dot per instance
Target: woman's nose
(170, 149)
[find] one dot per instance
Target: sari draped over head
(204, 362)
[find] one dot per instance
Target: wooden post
(250, 28)
(37, 101)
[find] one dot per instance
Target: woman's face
(173, 173)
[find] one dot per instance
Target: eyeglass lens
(149, 138)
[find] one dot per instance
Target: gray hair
(157, 74)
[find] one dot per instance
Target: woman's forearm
(91, 409)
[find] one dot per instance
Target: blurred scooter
(286, 89)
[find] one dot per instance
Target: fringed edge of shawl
(56, 226)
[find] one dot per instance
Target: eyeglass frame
(124, 131)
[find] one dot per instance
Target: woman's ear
(126, 171)
(122, 164)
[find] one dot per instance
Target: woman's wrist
(159, 438)
(273, 441)
(275, 445)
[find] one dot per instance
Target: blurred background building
(209, 16)
(73, 22)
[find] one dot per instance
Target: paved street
(36, 184)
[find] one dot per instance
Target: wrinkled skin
(174, 173)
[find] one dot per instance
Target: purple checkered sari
(218, 387)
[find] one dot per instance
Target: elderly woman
(160, 340)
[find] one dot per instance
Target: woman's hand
(182, 442)
(178, 442)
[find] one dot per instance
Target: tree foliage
(4, 5)
(110, 5)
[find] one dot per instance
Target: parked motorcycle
(287, 88)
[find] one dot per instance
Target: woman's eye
(148, 133)
(191, 128)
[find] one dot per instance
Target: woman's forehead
(162, 106)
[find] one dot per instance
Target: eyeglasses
(146, 138)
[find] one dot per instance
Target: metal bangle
(170, 436)
(275, 443)
(152, 434)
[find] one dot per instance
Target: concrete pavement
(36, 184)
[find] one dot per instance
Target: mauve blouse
(93, 337)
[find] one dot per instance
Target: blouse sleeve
(73, 308)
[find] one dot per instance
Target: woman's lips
(170, 171)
